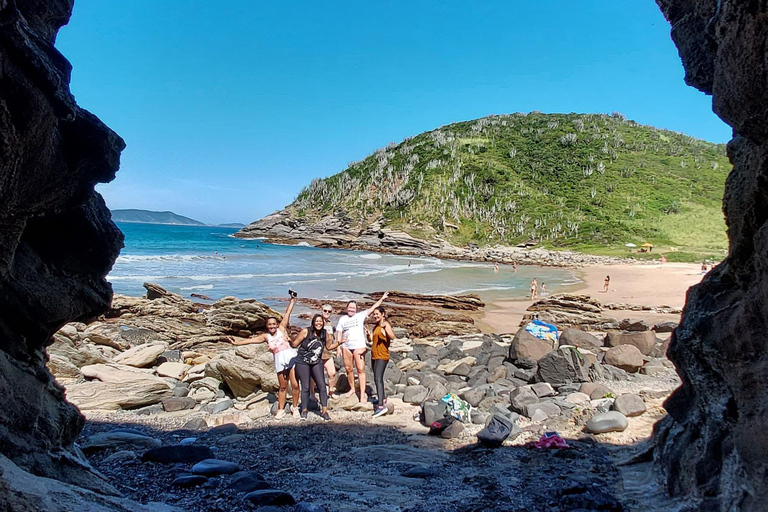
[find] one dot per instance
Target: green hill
(591, 182)
(150, 217)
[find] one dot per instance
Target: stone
(550, 410)
(225, 429)
(414, 395)
(665, 327)
(194, 424)
(498, 373)
(111, 440)
(502, 409)
(629, 405)
(230, 439)
(419, 472)
(437, 390)
(172, 370)
(121, 456)
(270, 497)
(473, 396)
(543, 389)
(116, 373)
(462, 370)
(453, 431)
(248, 368)
(212, 467)
(186, 481)
(526, 345)
(118, 395)
(432, 410)
(148, 410)
(634, 325)
(521, 397)
(652, 370)
(172, 454)
(563, 366)
(170, 356)
(578, 398)
(178, 404)
(625, 357)
(246, 481)
(142, 355)
(450, 366)
(643, 341)
(480, 417)
(63, 368)
(602, 404)
(596, 391)
(489, 401)
(217, 407)
(611, 421)
(580, 339)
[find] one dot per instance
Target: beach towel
(542, 330)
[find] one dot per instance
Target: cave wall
(57, 240)
(713, 446)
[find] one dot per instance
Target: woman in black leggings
(382, 335)
(309, 363)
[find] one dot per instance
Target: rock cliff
(57, 242)
(713, 446)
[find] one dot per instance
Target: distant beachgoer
(409, 263)
(703, 268)
(606, 282)
(663, 259)
(534, 289)
(543, 288)
(514, 267)
(311, 342)
(215, 252)
(381, 337)
(351, 331)
(495, 267)
(277, 340)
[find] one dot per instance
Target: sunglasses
(327, 311)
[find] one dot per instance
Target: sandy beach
(642, 284)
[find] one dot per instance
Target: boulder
(665, 327)
(62, 368)
(563, 366)
(644, 341)
(625, 357)
(543, 389)
(116, 373)
(129, 394)
(178, 404)
(247, 369)
(526, 345)
(246, 481)
(178, 453)
(142, 355)
(414, 394)
(186, 481)
(213, 467)
(269, 497)
(172, 370)
(629, 405)
(453, 431)
(611, 421)
(123, 440)
(580, 339)
(634, 325)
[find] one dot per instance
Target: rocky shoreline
(338, 232)
(178, 415)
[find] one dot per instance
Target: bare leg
(360, 364)
(349, 366)
(282, 379)
(294, 388)
(330, 367)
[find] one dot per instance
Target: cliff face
(57, 242)
(714, 444)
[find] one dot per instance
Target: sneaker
(280, 414)
(295, 412)
(379, 411)
(304, 414)
(326, 416)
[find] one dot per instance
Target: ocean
(212, 262)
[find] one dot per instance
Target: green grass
(582, 181)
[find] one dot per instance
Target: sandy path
(652, 285)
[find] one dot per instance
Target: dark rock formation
(57, 242)
(713, 446)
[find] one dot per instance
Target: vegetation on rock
(580, 181)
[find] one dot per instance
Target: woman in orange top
(382, 335)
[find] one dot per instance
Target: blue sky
(229, 108)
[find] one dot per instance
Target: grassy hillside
(584, 181)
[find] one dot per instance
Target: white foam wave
(371, 256)
(201, 287)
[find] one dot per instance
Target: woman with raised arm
(351, 332)
(277, 339)
(309, 362)
(382, 336)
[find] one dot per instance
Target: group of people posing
(304, 360)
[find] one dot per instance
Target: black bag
(443, 423)
(496, 432)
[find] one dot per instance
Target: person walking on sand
(311, 342)
(276, 339)
(382, 336)
(663, 260)
(606, 283)
(351, 331)
(534, 289)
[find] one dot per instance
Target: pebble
(177, 453)
(419, 472)
(211, 467)
(611, 421)
(189, 481)
(270, 497)
(247, 481)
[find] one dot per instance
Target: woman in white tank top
(276, 339)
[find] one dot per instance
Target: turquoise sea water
(210, 261)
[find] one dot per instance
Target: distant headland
(167, 218)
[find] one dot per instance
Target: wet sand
(641, 284)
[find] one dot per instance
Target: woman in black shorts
(310, 343)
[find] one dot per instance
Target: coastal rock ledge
(339, 231)
(713, 446)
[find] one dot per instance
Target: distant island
(150, 217)
(235, 225)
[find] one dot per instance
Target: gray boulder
(580, 339)
(563, 366)
(611, 421)
(629, 405)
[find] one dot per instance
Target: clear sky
(229, 108)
